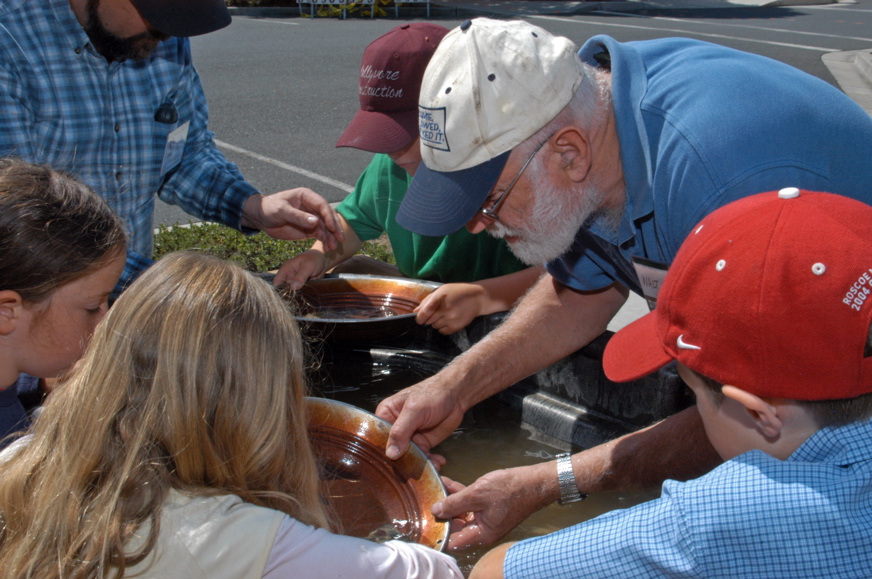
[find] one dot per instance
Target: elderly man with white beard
(598, 163)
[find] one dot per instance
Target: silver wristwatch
(569, 492)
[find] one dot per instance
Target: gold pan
(360, 308)
(372, 496)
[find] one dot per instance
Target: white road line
(287, 167)
(282, 22)
(841, 7)
(273, 20)
(687, 32)
(745, 26)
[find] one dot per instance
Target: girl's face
(54, 334)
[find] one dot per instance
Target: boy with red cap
(481, 274)
(766, 311)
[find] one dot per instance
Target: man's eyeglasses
(491, 213)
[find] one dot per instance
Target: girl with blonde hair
(178, 448)
(61, 253)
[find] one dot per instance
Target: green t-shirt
(371, 209)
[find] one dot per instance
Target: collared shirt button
(118, 176)
(117, 127)
(78, 50)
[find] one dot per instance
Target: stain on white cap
(788, 193)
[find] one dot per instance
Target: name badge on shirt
(650, 274)
(174, 149)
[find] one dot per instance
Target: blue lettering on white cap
(431, 126)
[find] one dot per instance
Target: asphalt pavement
(852, 69)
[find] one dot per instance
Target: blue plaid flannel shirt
(754, 516)
(63, 104)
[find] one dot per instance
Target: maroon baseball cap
(184, 17)
(391, 72)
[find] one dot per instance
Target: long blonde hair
(194, 382)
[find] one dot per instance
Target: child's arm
(491, 565)
(317, 261)
(454, 305)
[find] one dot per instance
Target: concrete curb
(853, 71)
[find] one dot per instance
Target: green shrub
(379, 249)
(253, 252)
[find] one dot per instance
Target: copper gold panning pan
(360, 308)
(371, 495)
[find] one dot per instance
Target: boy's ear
(764, 415)
(573, 146)
(11, 306)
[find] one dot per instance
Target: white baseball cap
(489, 87)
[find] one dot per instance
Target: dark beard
(113, 48)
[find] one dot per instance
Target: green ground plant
(257, 253)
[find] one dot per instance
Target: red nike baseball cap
(770, 294)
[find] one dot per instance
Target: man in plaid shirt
(107, 91)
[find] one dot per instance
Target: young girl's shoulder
(210, 536)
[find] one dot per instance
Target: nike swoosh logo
(684, 345)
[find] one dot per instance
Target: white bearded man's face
(557, 214)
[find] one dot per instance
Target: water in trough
(492, 435)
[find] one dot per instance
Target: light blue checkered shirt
(754, 516)
(62, 103)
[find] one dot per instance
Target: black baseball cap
(184, 17)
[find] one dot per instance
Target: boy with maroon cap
(766, 310)
(481, 274)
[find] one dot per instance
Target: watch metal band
(569, 492)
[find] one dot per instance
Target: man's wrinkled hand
(293, 214)
(488, 509)
(426, 413)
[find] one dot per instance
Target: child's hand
(451, 307)
(298, 270)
